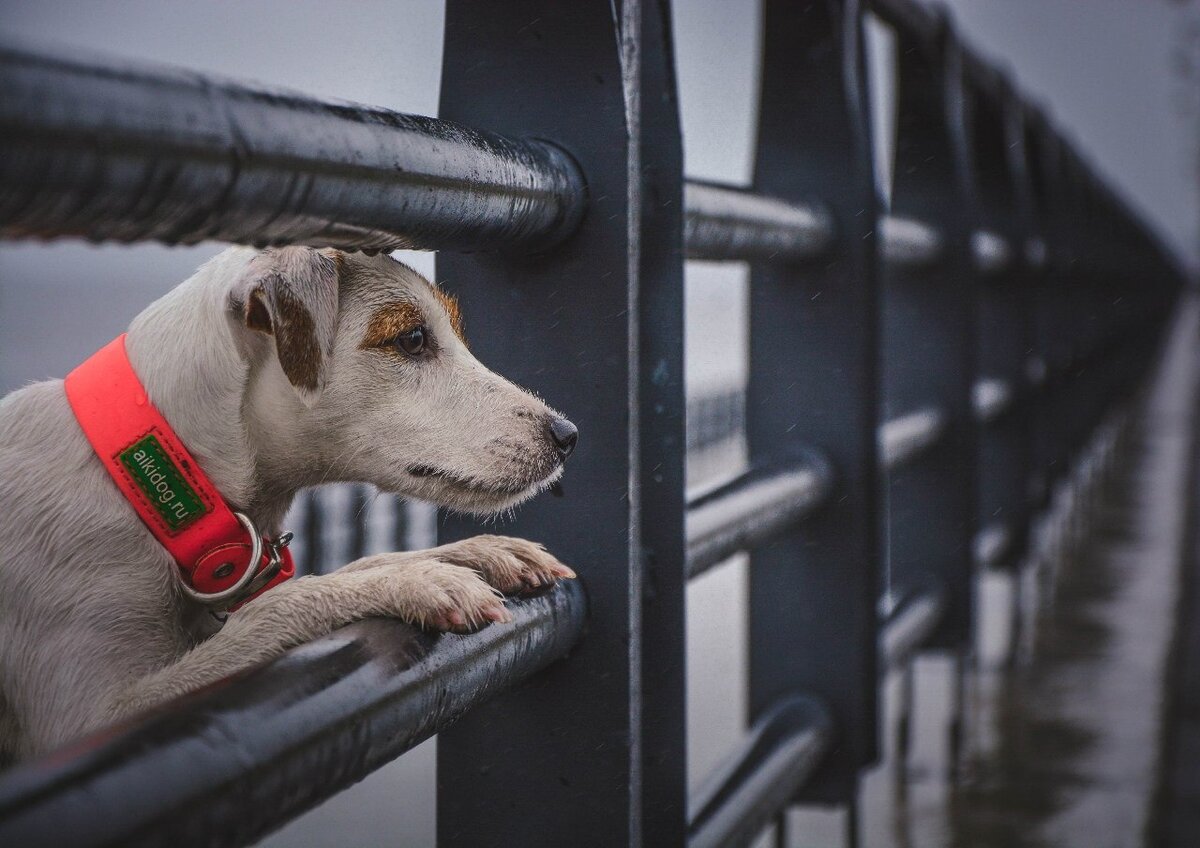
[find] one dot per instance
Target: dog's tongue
(556, 489)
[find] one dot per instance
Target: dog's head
(389, 392)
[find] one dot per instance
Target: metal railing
(929, 357)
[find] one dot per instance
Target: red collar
(213, 545)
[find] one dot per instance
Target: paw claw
(497, 614)
(508, 564)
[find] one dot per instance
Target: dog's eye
(412, 342)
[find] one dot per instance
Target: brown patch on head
(291, 293)
(450, 303)
(390, 321)
(256, 314)
(296, 340)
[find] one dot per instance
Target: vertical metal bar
(1040, 364)
(1081, 284)
(929, 338)
(592, 751)
(313, 534)
(358, 520)
(1004, 336)
(813, 362)
(781, 831)
(400, 525)
(1057, 326)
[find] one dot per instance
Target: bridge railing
(921, 376)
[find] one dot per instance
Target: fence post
(929, 333)
(592, 751)
(929, 363)
(1002, 403)
(813, 365)
(1055, 327)
(1004, 313)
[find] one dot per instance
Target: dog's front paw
(511, 565)
(436, 595)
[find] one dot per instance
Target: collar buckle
(256, 575)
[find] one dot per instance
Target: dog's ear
(291, 294)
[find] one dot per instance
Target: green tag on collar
(175, 501)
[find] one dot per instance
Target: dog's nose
(565, 435)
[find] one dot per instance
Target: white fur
(93, 625)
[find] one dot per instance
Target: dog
(278, 369)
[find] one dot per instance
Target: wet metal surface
(724, 223)
(111, 151)
(1063, 750)
(753, 508)
(226, 764)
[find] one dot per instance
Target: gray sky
(1111, 73)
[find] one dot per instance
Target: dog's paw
(514, 566)
(436, 595)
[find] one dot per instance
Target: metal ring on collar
(230, 594)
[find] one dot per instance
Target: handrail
(992, 544)
(84, 148)
(234, 761)
(991, 397)
(908, 242)
(905, 437)
(991, 252)
(909, 625)
(753, 508)
(758, 781)
(725, 223)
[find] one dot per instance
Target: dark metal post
(929, 333)
(1057, 325)
(1084, 283)
(591, 752)
(1041, 361)
(1005, 336)
(813, 383)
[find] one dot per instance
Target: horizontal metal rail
(747, 791)
(992, 545)
(1037, 372)
(990, 251)
(234, 761)
(906, 437)
(1036, 253)
(991, 397)
(753, 508)
(909, 243)
(907, 627)
(109, 151)
(725, 223)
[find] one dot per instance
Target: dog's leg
(455, 587)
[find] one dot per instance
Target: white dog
(277, 370)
